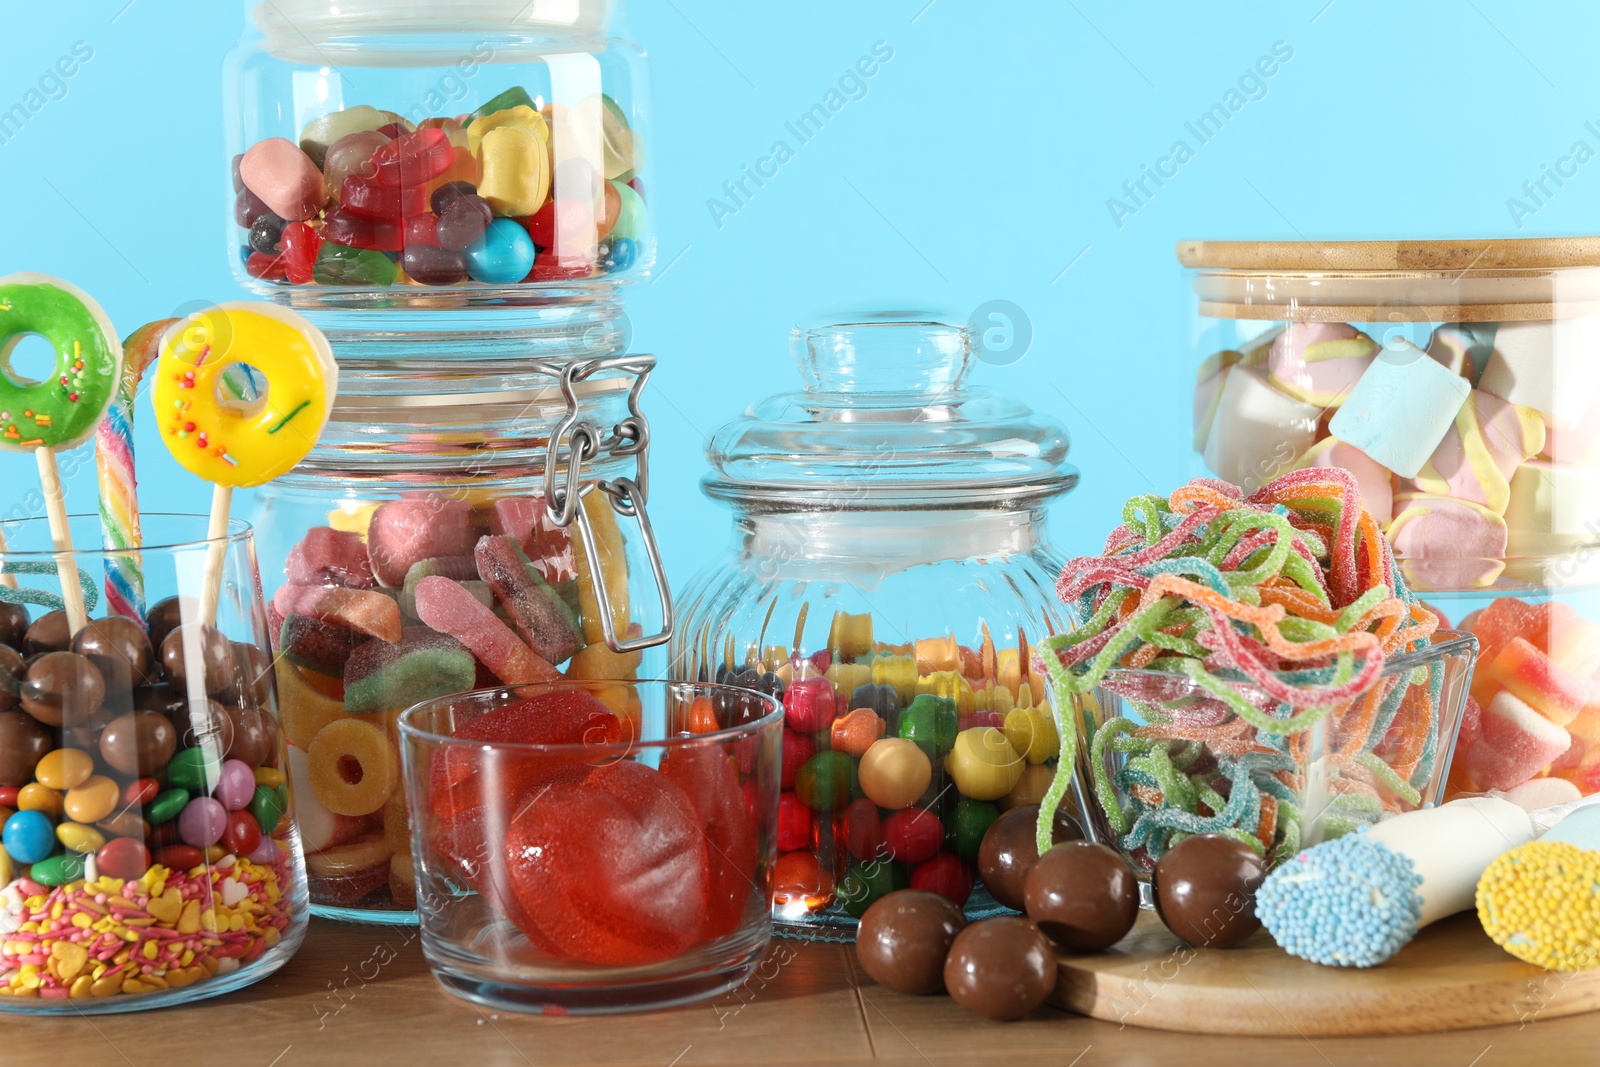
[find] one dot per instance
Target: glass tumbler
(565, 865)
(148, 854)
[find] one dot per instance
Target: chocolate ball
(161, 697)
(253, 669)
(85, 733)
(62, 688)
(1205, 889)
(1002, 968)
(139, 743)
(120, 649)
(23, 742)
(202, 725)
(904, 937)
(1007, 852)
(165, 616)
(214, 657)
(13, 624)
(1083, 896)
(254, 739)
(49, 634)
(13, 667)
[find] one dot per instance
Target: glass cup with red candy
(594, 847)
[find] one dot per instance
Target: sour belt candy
(1251, 619)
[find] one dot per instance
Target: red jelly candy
(610, 870)
(797, 749)
(415, 159)
(708, 777)
(794, 823)
(268, 268)
(913, 835)
(571, 220)
(371, 200)
(549, 269)
(946, 874)
(300, 245)
(343, 226)
(809, 705)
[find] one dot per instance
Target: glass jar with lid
(888, 571)
(413, 153)
(461, 524)
(1459, 382)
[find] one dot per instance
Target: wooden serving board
(1450, 977)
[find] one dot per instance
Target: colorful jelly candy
(339, 264)
(448, 608)
(515, 171)
(709, 778)
(544, 620)
(412, 529)
(382, 676)
(413, 159)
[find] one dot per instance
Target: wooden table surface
(817, 1010)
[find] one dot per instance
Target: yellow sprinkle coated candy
(1541, 903)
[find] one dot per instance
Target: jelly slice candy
(326, 556)
(710, 780)
(367, 610)
(448, 608)
(540, 615)
(1514, 743)
(1528, 673)
(463, 569)
(609, 870)
(474, 791)
(316, 645)
(424, 665)
(415, 528)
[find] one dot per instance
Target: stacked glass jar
(888, 572)
(452, 193)
(1459, 381)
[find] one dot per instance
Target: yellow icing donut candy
(240, 442)
(352, 767)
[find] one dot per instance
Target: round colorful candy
(864, 884)
(65, 768)
(168, 806)
(503, 255)
(826, 781)
(267, 805)
(242, 835)
(895, 772)
(235, 443)
(202, 822)
(123, 857)
(236, 785)
(61, 411)
(93, 800)
(28, 836)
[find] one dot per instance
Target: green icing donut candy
(62, 411)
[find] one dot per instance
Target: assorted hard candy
(369, 199)
(1476, 450)
(138, 763)
(405, 600)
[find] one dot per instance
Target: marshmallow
(1475, 461)
(1463, 347)
(1320, 362)
(1255, 351)
(1445, 543)
(1372, 477)
(1578, 443)
(1401, 408)
(1258, 431)
(1553, 367)
(1554, 508)
(1208, 391)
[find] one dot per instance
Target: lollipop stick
(216, 554)
(55, 506)
(8, 579)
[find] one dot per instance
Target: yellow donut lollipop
(238, 442)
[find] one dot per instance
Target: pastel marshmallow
(1553, 367)
(1208, 392)
(1372, 477)
(1445, 543)
(1539, 793)
(1259, 431)
(1255, 352)
(284, 177)
(1401, 408)
(1579, 442)
(1463, 347)
(1320, 362)
(1482, 450)
(1553, 508)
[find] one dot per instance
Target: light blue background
(977, 167)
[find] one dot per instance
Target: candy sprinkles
(1234, 625)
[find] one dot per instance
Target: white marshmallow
(1555, 507)
(1258, 431)
(1553, 367)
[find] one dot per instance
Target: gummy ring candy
(351, 767)
(236, 441)
(63, 411)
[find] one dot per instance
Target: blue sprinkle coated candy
(1351, 902)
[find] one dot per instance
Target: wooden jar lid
(1523, 253)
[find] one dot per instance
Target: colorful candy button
(77, 837)
(268, 807)
(123, 857)
(40, 798)
(93, 800)
(194, 770)
(168, 806)
(28, 837)
(59, 869)
(65, 768)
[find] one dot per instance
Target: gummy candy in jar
(449, 163)
(887, 577)
(1455, 380)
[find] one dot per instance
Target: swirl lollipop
(62, 411)
(233, 441)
